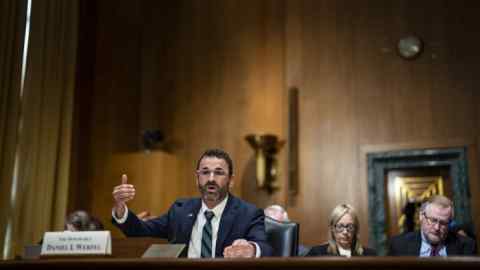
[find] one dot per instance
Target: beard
(212, 192)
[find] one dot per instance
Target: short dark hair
(83, 221)
(218, 153)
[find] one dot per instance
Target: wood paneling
(152, 174)
(206, 73)
(216, 78)
(386, 263)
(210, 72)
(355, 90)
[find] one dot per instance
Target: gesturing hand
(122, 194)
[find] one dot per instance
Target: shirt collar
(344, 252)
(425, 243)
(217, 210)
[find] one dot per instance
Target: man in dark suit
(215, 225)
(434, 238)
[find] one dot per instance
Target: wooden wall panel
(153, 175)
(206, 73)
(220, 78)
(210, 72)
(355, 91)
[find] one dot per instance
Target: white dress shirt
(344, 252)
(426, 248)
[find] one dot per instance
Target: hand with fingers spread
(240, 248)
(122, 194)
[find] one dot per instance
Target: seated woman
(343, 234)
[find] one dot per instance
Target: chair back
(282, 236)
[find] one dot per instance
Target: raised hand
(122, 194)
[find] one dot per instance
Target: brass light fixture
(266, 147)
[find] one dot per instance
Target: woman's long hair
(337, 213)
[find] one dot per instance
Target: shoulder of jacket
(184, 201)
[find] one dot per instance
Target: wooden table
(406, 263)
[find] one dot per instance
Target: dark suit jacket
(409, 244)
(239, 220)
(321, 250)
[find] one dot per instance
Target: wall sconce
(266, 147)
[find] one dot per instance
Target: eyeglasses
(207, 173)
(433, 221)
(340, 227)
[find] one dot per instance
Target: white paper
(77, 243)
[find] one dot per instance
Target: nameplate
(77, 243)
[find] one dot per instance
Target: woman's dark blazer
(321, 250)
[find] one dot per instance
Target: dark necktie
(434, 250)
(207, 235)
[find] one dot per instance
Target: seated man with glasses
(434, 238)
(344, 235)
(215, 225)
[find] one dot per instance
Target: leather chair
(282, 236)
